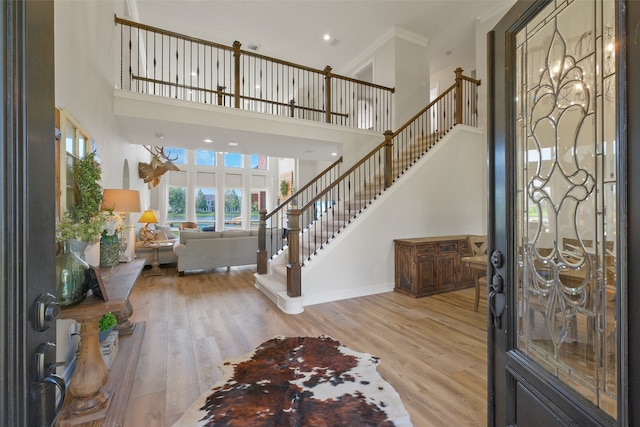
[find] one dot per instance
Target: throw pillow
(167, 230)
(209, 228)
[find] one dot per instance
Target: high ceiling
(293, 30)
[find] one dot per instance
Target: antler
(151, 172)
(159, 152)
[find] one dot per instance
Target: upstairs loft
(185, 86)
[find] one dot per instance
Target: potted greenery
(83, 220)
(106, 325)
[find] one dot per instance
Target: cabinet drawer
(426, 250)
(447, 247)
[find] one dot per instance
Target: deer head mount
(160, 163)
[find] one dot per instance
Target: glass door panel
(566, 186)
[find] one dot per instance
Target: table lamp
(122, 202)
(146, 233)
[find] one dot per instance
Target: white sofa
(203, 250)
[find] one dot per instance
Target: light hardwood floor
(432, 350)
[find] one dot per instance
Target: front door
(560, 136)
(28, 388)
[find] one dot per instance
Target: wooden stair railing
(342, 200)
(272, 225)
(164, 63)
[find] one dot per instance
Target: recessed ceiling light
(159, 135)
(193, 73)
(257, 86)
(208, 140)
(233, 144)
(327, 37)
(334, 154)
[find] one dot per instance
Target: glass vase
(109, 250)
(71, 277)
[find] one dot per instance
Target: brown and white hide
(299, 381)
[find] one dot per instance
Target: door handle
(497, 304)
(44, 376)
(58, 382)
(497, 297)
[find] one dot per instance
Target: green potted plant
(106, 325)
(83, 220)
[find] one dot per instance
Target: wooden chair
(482, 282)
(478, 244)
(187, 225)
(478, 247)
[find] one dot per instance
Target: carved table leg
(155, 264)
(90, 373)
(124, 326)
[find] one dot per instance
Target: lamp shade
(118, 200)
(149, 217)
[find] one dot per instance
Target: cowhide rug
(302, 381)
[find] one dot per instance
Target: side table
(155, 262)
(91, 373)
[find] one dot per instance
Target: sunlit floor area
(432, 350)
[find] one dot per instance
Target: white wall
(84, 81)
(400, 60)
(434, 199)
(484, 24)
(412, 79)
(307, 170)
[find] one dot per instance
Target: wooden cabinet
(431, 265)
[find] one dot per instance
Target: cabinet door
(426, 275)
(405, 269)
(448, 271)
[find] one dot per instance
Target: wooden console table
(88, 399)
(431, 265)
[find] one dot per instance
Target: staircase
(330, 214)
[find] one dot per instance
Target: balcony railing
(315, 221)
(164, 63)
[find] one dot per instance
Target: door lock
(497, 259)
(47, 309)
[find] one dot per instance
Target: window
(232, 160)
(211, 193)
(258, 162)
(205, 158)
(232, 208)
(205, 206)
(75, 141)
(258, 201)
(181, 153)
(176, 211)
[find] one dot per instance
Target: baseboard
(312, 299)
